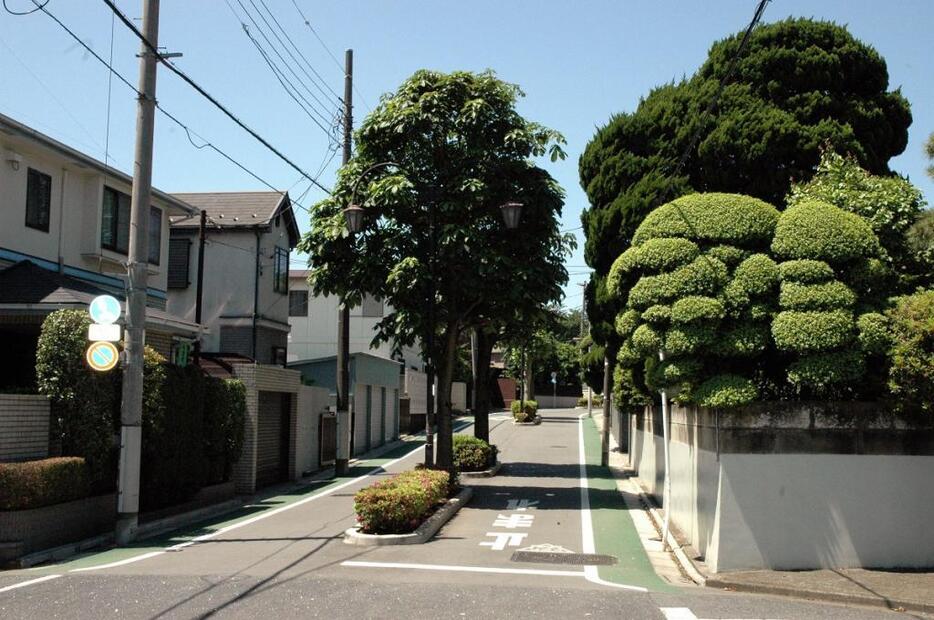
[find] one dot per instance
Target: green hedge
(824, 370)
(657, 314)
(911, 355)
(725, 391)
(657, 255)
(712, 218)
(757, 275)
(672, 372)
(401, 503)
(224, 422)
(827, 296)
(809, 332)
(743, 340)
(627, 322)
(728, 254)
(697, 308)
(646, 341)
(34, 484)
(820, 231)
(688, 339)
(704, 276)
(805, 271)
(473, 454)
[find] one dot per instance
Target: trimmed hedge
(472, 453)
(704, 276)
(744, 340)
(33, 484)
(646, 341)
(657, 314)
(725, 391)
(688, 339)
(806, 271)
(728, 255)
(820, 231)
(401, 503)
(527, 414)
(627, 322)
(828, 296)
(823, 370)
(712, 218)
(657, 255)
(696, 308)
(911, 374)
(807, 332)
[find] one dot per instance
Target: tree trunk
(481, 413)
(444, 441)
(529, 379)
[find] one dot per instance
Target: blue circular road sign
(104, 309)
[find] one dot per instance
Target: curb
(424, 533)
(486, 473)
(536, 422)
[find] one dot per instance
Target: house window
(115, 225)
(298, 303)
(281, 271)
(179, 262)
(372, 307)
(278, 356)
(38, 200)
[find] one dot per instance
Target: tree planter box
(485, 473)
(50, 526)
(786, 486)
(424, 532)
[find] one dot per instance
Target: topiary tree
(697, 288)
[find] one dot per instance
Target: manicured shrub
(646, 340)
(472, 454)
(757, 275)
(672, 372)
(712, 218)
(725, 391)
(874, 336)
(728, 255)
(688, 339)
(596, 400)
(805, 271)
(33, 484)
(696, 308)
(627, 322)
(827, 296)
(820, 231)
(808, 332)
(911, 373)
(704, 276)
(657, 314)
(821, 371)
(524, 411)
(743, 340)
(401, 503)
(655, 255)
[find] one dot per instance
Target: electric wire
(38, 7)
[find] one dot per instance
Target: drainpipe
(61, 220)
(256, 292)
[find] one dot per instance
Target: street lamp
(353, 216)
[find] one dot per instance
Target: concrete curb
(486, 473)
(724, 582)
(424, 533)
(536, 422)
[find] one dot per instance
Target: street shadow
(526, 469)
(548, 498)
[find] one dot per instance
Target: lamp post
(353, 216)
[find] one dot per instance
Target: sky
(578, 63)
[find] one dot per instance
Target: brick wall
(24, 427)
(160, 341)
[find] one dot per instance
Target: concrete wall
(792, 491)
(415, 386)
(459, 395)
(545, 401)
(312, 402)
(24, 427)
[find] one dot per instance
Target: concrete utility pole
(343, 316)
(202, 235)
(131, 410)
(605, 438)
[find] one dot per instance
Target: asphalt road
(284, 557)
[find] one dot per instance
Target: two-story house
(245, 291)
(64, 236)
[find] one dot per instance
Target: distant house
(245, 295)
(64, 236)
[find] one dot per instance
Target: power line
(171, 67)
(38, 7)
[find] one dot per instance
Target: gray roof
(14, 128)
(238, 210)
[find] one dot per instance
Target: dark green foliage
(689, 339)
(674, 372)
(828, 296)
(743, 340)
(820, 231)
(807, 332)
(526, 409)
(911, 375)
(874, 335)
(822, 371)
(629, 390)
(725, 391)
(703, 276)
(34, 484)
(755, 276)
(712, 218)
(224, 421)
(401, 503)
(805, 271)
(472, 454)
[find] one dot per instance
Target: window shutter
(179, 265)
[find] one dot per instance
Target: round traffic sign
(102, 356)
(104, 309)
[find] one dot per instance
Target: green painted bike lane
(262, 505)
(614, 532)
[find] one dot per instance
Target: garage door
(272, 438)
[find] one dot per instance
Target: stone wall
(24, 427)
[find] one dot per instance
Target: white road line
(251, 520)
(467, 569)
(678, 613)
(29, 583)
(587, 539)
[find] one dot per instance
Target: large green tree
(461, 151)
(799, 85)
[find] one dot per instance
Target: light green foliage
(646, 341)
(754, 277)
(688, 339)
(627, 355)
(696, 308)
(725, 391)
(712, 218)
(657, 314)
(820, 231)
(822, 371)
(874, 336)
(672, 372)
(627, 322)
(743, 340)
(703, 276)
(807, 332)
(658, 255)
(911, 375)
(805, 271)
(828, 296)
(728, 255)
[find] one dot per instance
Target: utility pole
(131, 410)
(343, 316)
(605, 436)
(198, 301)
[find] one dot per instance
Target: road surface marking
(590, 571)
(511, 522)
(503, 539)
(29, 583)
(251, 520)
(678, 613)
(467, 569)
(521, 505)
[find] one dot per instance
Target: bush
(688, 339)
(874, 337)
(224, 421)
(473, 454)
(646, 341)
(824, 370)
(531, 406)
(657, 314)
(696, 308)
(808, 332)
(820, 231)
(743, 340)
(627, 322)
(712, 218)
(828, 296)
(657, 255)
(727, 254)
(805, 271)
(757, 275)
(596, 400)
(725, 391)
(401, 503)
(34, 484)
(704, 276)
(911, 374)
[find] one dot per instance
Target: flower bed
(401, 503)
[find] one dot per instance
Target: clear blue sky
(578, 62)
